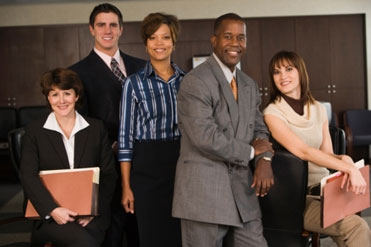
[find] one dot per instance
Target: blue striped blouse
(148, 109)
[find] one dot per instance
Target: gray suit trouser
(200, 234)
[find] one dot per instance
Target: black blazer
(43, 149)
(103, 90)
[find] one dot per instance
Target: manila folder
(338, 203)
(75, 189)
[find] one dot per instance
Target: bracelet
(267, 159)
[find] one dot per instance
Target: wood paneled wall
(332, 46)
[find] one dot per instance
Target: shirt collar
(107, 59)
(149, 71)
(226, 71)
(52, 124)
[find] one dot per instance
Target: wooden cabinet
(333, 48)
(26, 53)
(334, 52)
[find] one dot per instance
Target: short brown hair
(105, 8)
(153, 21)
(63, 79)
(296, 61)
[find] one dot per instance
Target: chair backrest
(29, 113)
(8, 121)
(15, 146)
(338, 140)
(283, 207)
(331, 116)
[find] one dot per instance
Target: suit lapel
(56, 140)
(227, 92)
(81, 139)
(244, 103)
(101, 69)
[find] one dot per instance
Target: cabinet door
(348, 62)
(313, 44)
(22, 62)
(276, 34)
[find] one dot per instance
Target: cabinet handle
(333, 86)
(329, 91)
(328, 86)
(261, 94)
(265, 94)
(333, 91)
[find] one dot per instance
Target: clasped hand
(263, 176)
(353, 181)
(63, 216)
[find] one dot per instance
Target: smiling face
(160, 44)
(106, 32)
(62, 102)
(286, 79)
(229, 42)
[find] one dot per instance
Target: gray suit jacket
(213, 177)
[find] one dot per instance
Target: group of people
(175, 150)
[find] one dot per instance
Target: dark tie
(116, 70)
(234, 88)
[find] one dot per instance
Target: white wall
(68, 13)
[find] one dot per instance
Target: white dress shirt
(69, 144)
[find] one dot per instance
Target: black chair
(283, 207)
(15, 146)
(338, 140)
(27, 114)
(8, 121)
(357, 124)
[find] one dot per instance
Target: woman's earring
(173, 48)
(146, 50)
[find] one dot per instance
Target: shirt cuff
(252, 154)
(124, 155)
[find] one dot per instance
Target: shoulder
(319, 110)
(274, 109)
(83, 63)
(94, 123)
(131, 59)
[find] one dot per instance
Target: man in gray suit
(222, 131)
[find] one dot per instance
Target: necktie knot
(117, 71)
(234, 88)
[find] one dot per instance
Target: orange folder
(75, 189)
(338, 203)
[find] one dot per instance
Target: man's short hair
(228, 16)
(105, 8)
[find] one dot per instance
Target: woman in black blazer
(66, 140)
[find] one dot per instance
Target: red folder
(75, 189)
(338, 203)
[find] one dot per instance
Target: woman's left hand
(84, 221)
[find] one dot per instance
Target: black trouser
(152, 181)
(70, 235)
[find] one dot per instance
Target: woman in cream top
(299, 123)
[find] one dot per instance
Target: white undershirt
(107, 59)
(69, 144)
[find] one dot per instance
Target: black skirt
(152, 182)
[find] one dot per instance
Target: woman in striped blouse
(149, 135)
